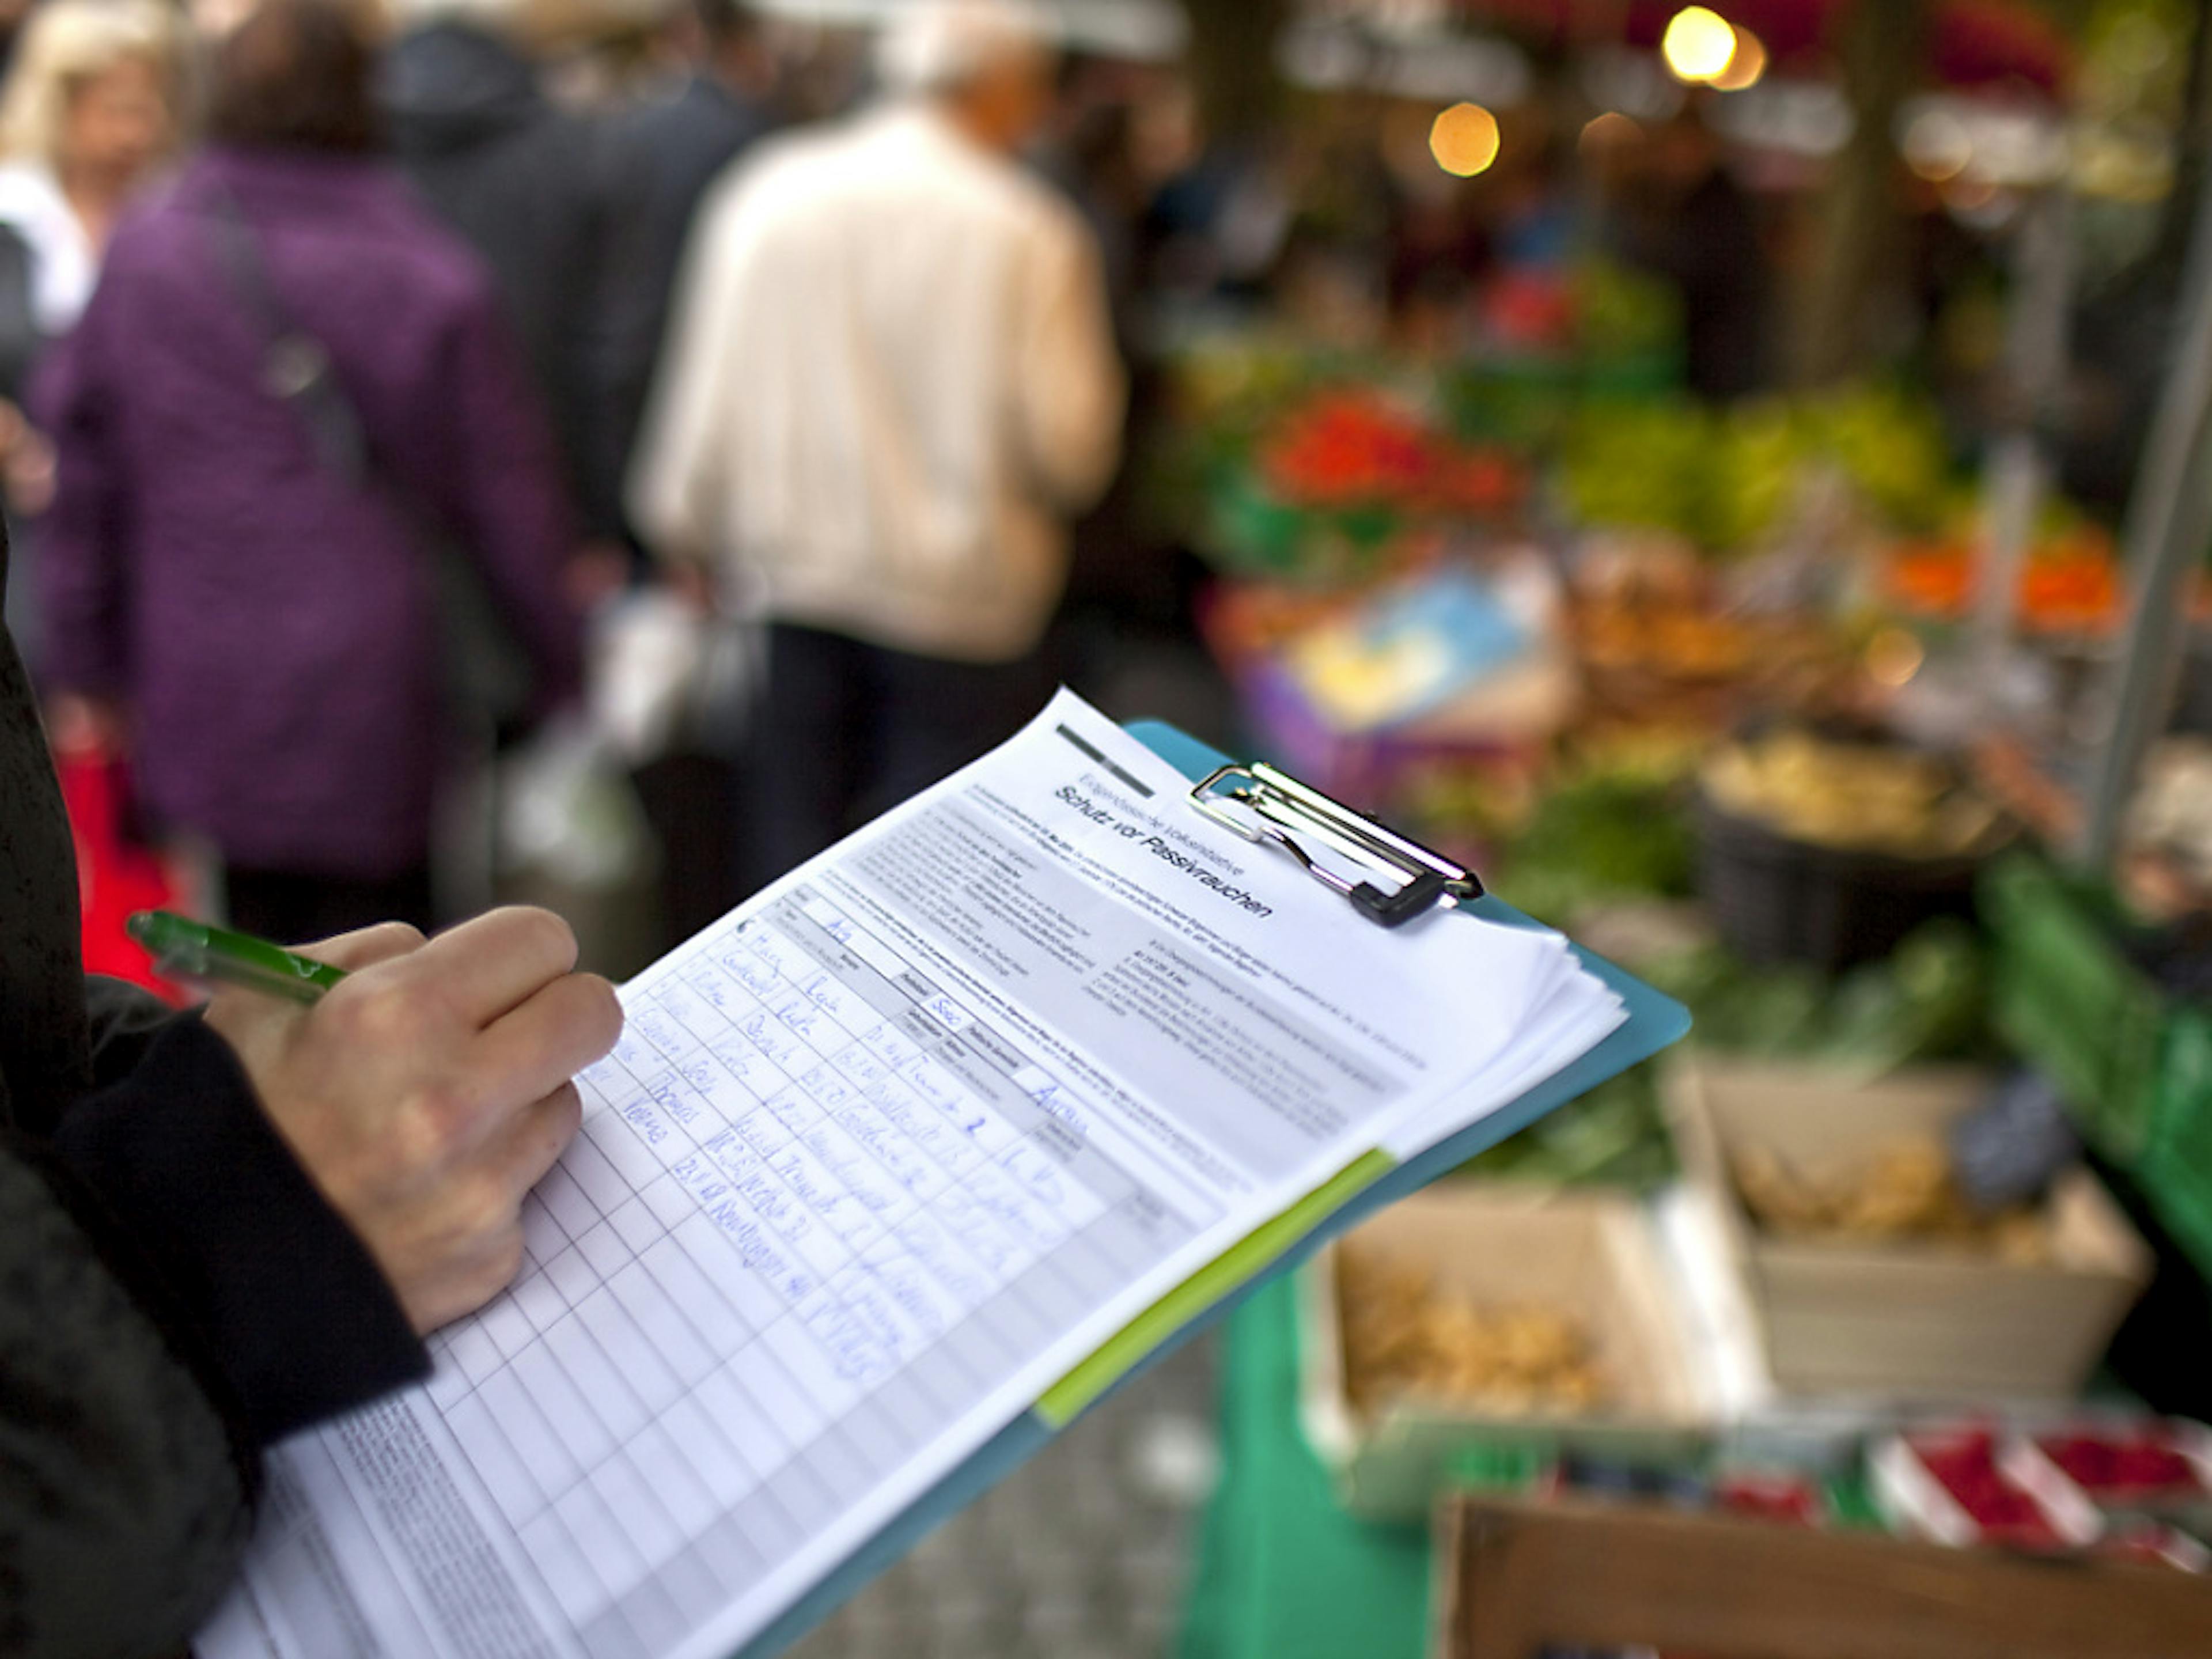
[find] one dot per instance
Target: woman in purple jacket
(254, 622)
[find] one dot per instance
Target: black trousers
(848, 730)
(293, 909)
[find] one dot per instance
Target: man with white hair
(891, 379)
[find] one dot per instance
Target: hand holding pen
(423, 1085)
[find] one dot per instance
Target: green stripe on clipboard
(1237, 1266)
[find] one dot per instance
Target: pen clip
(1268, 806)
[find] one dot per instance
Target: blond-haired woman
(90, 110)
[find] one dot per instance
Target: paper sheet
(880, 1155)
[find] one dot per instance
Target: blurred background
(1734, 475)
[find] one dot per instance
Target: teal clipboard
(1654, 1022)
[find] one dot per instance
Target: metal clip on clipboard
(1274, 805)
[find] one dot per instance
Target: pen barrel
(185, 949)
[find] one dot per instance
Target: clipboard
(1654, 1022)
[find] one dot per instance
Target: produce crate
(1517, 1578)
(2066, 998)
(1592, 1255)
(2134, 1063)
(1901, 1320)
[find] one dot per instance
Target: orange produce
(2071, 584)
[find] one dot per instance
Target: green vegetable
(1928, 1001)
(1616, 1134)
(1608, 835)
(1726, 478)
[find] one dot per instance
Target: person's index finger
(497, 961)
(536, 1047)
(365, 947)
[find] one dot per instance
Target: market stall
(1800, 701)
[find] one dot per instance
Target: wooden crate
(1512, 1580)
(1900, 1320)
(1590, 1255)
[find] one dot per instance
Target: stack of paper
(881, 1156)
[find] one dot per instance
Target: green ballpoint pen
(186, 949)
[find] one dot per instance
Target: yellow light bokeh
(1464, 140)
(1746, 64)
(1698, 43)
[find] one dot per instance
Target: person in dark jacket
(660, 158)
(523, 182)
(256, 627)
(218, 1229)
(215, 1231)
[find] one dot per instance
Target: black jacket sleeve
(123, 1500)
(180, 1296)
(124, 1022)
(195, 1197)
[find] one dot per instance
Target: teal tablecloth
(1282, 1572)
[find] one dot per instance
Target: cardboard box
(1592, 1257)
(1899, 1320)
(1513, 1579)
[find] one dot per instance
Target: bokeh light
(1698, 43)
(1894, 657)
(1745, 66)
(1464, 140)
(1609, 131)
(1937, 145)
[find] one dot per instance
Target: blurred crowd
(372, 383)
(400, 412)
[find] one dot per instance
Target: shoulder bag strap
(294, 366)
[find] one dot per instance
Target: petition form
(880, 1157)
